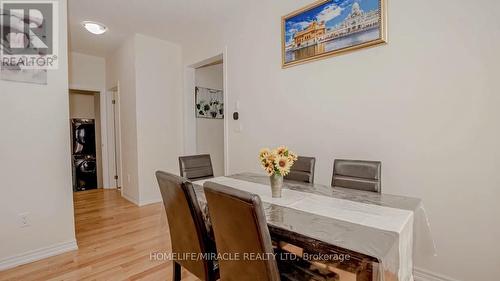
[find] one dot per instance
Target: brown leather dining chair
(357, 174)
(188, 233)
(240, 227)
(302, 170)
(196, 167)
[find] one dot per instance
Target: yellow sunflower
(268, 166)
(292, 156)
(283, 165)
(264, 153)
(271, 157)
(270, 171)
(282, 150)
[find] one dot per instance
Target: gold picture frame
(314, 39)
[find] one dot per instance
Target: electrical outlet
(24, 220)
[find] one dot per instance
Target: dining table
(378, 232)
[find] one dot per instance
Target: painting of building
(314, 30)
(331, 27)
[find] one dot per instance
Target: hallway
(115, 239)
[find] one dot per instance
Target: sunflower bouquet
(277, 161)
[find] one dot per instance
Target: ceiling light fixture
(94, 27)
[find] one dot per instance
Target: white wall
(148, 72)
(81, 106)
(120, 71)
(426, 105)
(87, 72)
(210, 132)
(35, 164)
(159, 111)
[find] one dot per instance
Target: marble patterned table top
(391, 246)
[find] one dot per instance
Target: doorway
(86, 146)
(206, 119)
(209, 112)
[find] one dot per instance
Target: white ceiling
(166, 19)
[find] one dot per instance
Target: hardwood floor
(115, 239)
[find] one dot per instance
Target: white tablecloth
(395, 220)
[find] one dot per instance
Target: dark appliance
(83, 136)
(84, 154)
(85, 171)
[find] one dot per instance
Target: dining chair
(188, 233)
(302, 170)
(357, 174)
(196, 167)
(240, 228)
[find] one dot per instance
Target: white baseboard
(129, 198)
(152, 201)
(39, 254)
(141, 203)
(424, 275)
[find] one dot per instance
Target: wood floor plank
(115, 239)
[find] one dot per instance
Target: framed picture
(209, 103)
(329, 27)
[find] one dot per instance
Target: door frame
(189, 113)
(104, 130)
(116, 140)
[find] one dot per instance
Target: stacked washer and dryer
(84, 154)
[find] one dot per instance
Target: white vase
(276, 185)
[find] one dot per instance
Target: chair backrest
(302, 170)
(357, 174)
(196, 167)
(240, 228)
(185, 221)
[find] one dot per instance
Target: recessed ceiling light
(94, 27)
